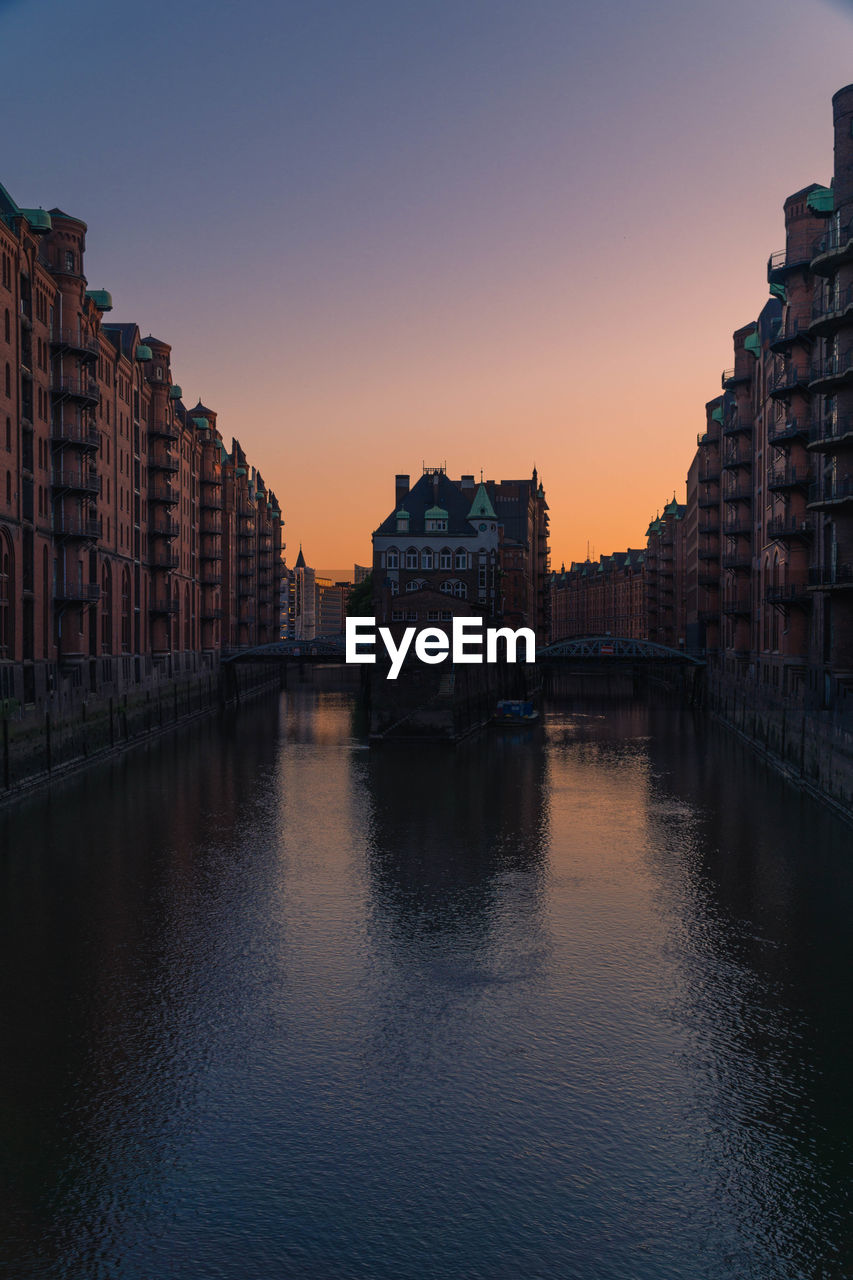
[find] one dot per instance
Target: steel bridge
(614, 648)
(606, 649)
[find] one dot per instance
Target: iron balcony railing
(738, 492)
(735, 527)
(163, 462)
(737, 560)
(72, 340)
(788, 528)
(791, 592)
(77, 592)
(160, 490)
(165, 560)
(737, 602)
(831, 489)
(165, 528)
(831, 428)
(831, 301)
(76, 431)
(839, 575)
(76, 479)
(163, 431)
(88, 528)
(788, 477)
(76, 389)
(835, 237)
(737, 458)
(787, 378)
(163, 606)
(789, 260)
(833, 367)
(784, 432)
(737, 424)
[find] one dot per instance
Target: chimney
(401, 489)
(466, 484)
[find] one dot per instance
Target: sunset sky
(377, 234)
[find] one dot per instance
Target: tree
(360, 600)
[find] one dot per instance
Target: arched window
(106, 609)
(426, 558)
(125, 611)
(447, 586)
(7, 598)
(446, 558)
(411, 558)
(461, 558)
(393, 558)
(460, 590)
(416, 584)
(394, 588)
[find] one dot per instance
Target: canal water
(564, 1002)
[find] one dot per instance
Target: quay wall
(70, 732)
(812, 748)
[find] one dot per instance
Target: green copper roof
(202, 424)
(779, 291)
(38, 219)
(481, 507)
(175, 392)
(403, 513)
(275, 513)
(435, 513)
(240, 471)
(752, 343)
(821, 201)
(671, 509)
(654, 527)
(143, 352)
(102, 300)
(717, 414)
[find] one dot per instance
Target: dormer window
(402, 521)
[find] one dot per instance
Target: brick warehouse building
(762, 552)
(131, 540)
(462, 547)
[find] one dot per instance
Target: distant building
(304, 591)
(462, 547)
(604, 597)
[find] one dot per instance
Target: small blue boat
(511, 711)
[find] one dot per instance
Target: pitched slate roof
(425, 494)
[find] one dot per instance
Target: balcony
(737, 603)
(76, 431)
(211, 575)
(163, 462)
(706, 553)
(832, 434)
(784, 381)
(831, 372)
(732, 378)
(793, 329)
(738, 424)
(833, 248)
(706, 438)
(831, 578)
(735, 528)
(705, 500)
(213, 480)
(789, 477)
(71, 340)
(782, 433)
(833, 491)
(85, 390)
(790, 594)
(76, 593)
(163, 431)
(831, 308)
(76, 528)
(737, 560)
(783, 261)
(790, 529)
(163, 527)
(164, 559)
(741, 492)
(210, 522)
(737, 458)
(163, 607)
(76, 479)
(160, 490)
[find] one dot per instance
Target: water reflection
(566, 1002)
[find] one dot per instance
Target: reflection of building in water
(447, 827)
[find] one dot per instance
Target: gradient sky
(377, 233)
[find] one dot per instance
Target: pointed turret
(481, 507)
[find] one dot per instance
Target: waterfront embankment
(38, 747)
(812, 748)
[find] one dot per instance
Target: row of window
(450, 587)
(393, 558)
(412, 615)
